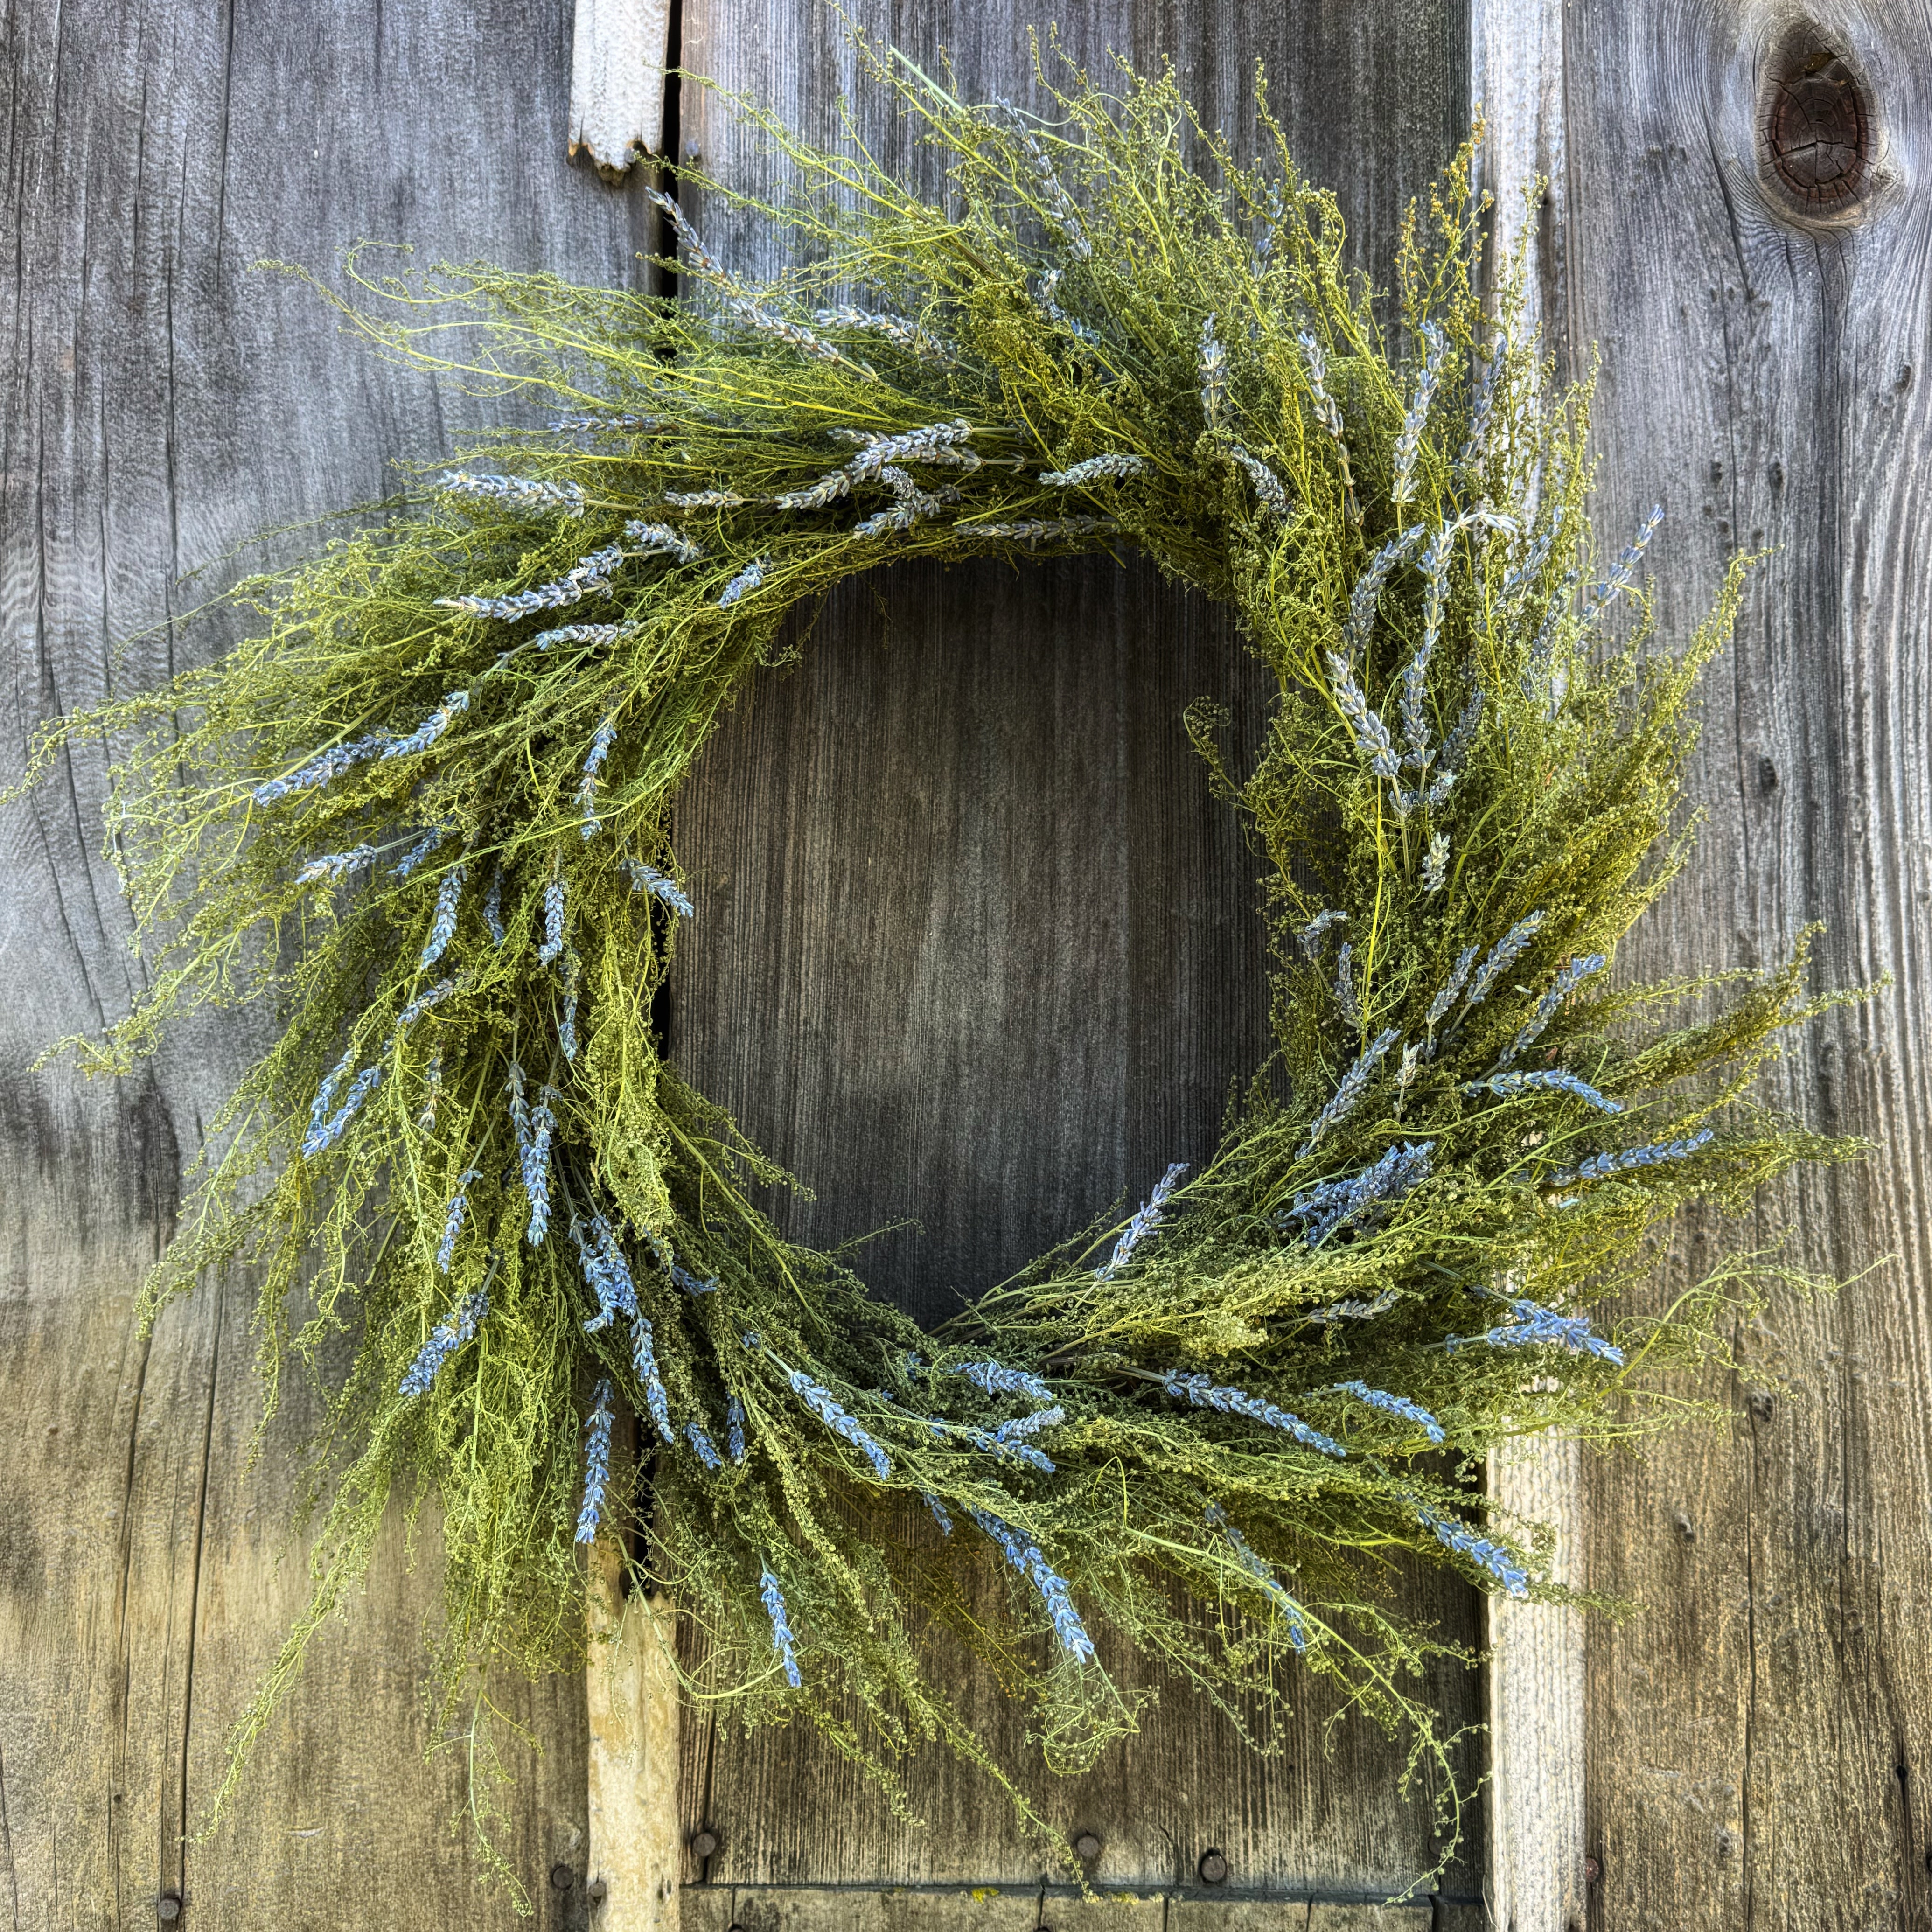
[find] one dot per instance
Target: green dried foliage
(1113, 285)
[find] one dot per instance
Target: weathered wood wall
(978, 948)
(164, 402)
(1760, 1737)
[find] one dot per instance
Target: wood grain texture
(617, 80)
(1536, 1676)
(162, 404)
(976, 947)
(1761, 1735)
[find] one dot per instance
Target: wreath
(425, 811)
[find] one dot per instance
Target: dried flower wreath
(425, 812)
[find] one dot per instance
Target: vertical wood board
(1759, 1732)
(977, 948)
(164, 403)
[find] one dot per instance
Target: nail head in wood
(597, 1891)
(168, 1907)
(1087, 1847)
(561, 1878)
(1213, 1868)
(703, 1843)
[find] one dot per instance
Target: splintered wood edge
(1536, 1678)
(636, 1849)
(617, 81)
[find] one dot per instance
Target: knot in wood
(1818, 130)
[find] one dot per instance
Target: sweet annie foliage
(424, 811)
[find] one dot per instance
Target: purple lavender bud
(419, 851)
(1506, 952)
(1532, 1325)
(996, 1379)
(1113, 468)
(553, 940)
(452, 1221)
(821, 1402)
(644, 1360)
(432, 727)
(1025, 1556)
(1299, 1633)
(596, 1463)
(493, 906)
(589, 576)
(734, 1428)
(707, 1453)
(938, 1509)
(1565, 983)
(650, 537)
(586, 790)
(1371, 737)
(1479, 1550)
(514, 493)
(325, 1135)
(1602, 1166)
(1354, 1084)
(331, 865)
(1142, 1224)
(782, 1636)
(1369, 1195)
(648, 879)
(1396, 1405)
(1409, 440)
(1198, 1390)
(448, 1335)
(747, 580)
(1439, 1007)
(1552, 1080)
(443, 927)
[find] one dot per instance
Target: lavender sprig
(1554, 1080)
(940, 443)
(605, 737)
(1479, 1549)
(781, 1636)
(1565, 983)
(591, 425)
(1025, 1556)
(821, 1403)
(1346, 1005)
(734, 1429)
(1030, 530)
(707, 1451)
(433, 996)
(655, 537)
(454, 704)
(493, 906)
(331, 865)
(1327, 411)
(1043, 293)
(596, 1462)
(938, 1509)
(648, 879)
(1532, 1325)
(895, 329)
(747, 580)
(1366, 598)
(1200, 1390)
(553, 939)
(1269, 490)
(533, 1129)
(320, 769)
(1299, 1633)
(1355, 1311)
(606, 1271)
(1371, 737)
(1396, 1404)
(514, 493)
(644, 1360)
(448, 1335)
(589, 576)
(1333, 1204)
(323, 1134)
(1213, 369)
(419, 851)
(995, 1378)
(1435, 862)
(1143, 1223)
(1354, 1084)
(1312, 931)
(443, 927)
(452, 1221)
(1113, 468)
(1451, 990)
(1506, 952)
(1600, 595)
(1408, 439)
(1602, 1166)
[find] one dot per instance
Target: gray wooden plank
(978, 949)
(162, 404)
(1758, 1734)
